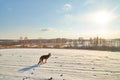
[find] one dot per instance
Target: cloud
(67, 6)
(47, 29)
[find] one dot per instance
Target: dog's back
(45, 56)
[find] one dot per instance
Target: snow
(64, 64)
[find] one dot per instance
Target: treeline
(95, 43)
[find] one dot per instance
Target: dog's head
(49, 54)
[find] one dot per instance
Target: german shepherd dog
(43, 58)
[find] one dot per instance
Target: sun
(100, 21)
(102, 17)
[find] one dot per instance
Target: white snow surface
(64, 64)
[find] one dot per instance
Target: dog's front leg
(45, 60)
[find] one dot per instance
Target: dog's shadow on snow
(28, 68)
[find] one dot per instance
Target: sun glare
(100, 20)
(102, 17)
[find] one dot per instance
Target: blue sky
(59, 18)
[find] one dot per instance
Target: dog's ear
(49, 53)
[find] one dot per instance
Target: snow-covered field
(64, 64)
